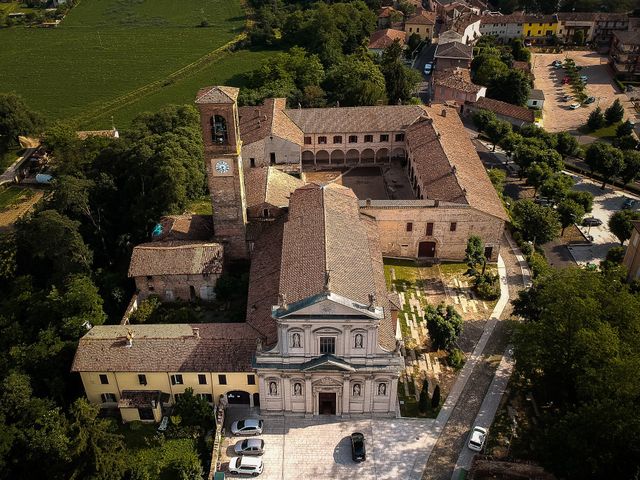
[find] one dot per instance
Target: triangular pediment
(328, 304)
(327, 362)
(218, 95)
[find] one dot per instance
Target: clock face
(222, 167)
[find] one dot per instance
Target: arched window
(218, 130)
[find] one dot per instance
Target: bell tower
(221, 134)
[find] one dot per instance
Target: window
(327, 345)
(417, 29)
(384, 137)
(142, 379)
(429, 229)
(222, 379)
(534, 102)
(265, 213)
(104, 380)
(531, 24)
(409, 227)
(368, 138)
(149, 277)
(322, 140)
(202, 379)
(206, 396)
(272, 157)
(399, 137)
(251, 379)
(108, 397)
(307, 140)
(337, 139)
(145, 413)
(539, 32)
(453, 226)
(528, 33)
(176, 379)
(218, 130)
(353, 139)
(410, 29)
(252, 162)
(488, 251)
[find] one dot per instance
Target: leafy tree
(557, 186)
(567, 144)
(583, 198)
(596, 120)
(498, 178)
(444, 325)
(435, 400)
(625, 128)
(631, 168)
(570, 212)
(17, 119)
(614, 113)
(621, 224)
(413, 42)
(536, 223)
(423, 401)
(194, 410)
(8, 252)
(616, 254)
(578, 37)
(625, 142)
(535, 132)
(537, 175)
(520, 52)
(510, 142)
(482, 118)
(354, 81)
(604, 160)
(513, 87)
(406, 7)
(400, 81)
(489, 69)
(496, 130)
(474, 255)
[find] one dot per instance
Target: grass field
(11, 195)
(107, 48)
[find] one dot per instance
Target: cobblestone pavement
(445, 453)
(319, 448)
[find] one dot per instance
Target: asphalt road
(426, 55)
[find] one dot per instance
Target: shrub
(487, 286)
(435, 400)
(144, 311)
(614, 113)
(135, 425)
(423, 402)
(456, 359)
(538, 264)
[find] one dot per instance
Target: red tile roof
(506, 109)
(269, 185)
(383, 38)
(176, 258)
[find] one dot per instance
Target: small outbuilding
(536, 99)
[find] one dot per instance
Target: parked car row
(248, 451)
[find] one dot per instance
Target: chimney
(368, 202)
(196, 332)
(444, 112)
(282, 301)
(130, 336)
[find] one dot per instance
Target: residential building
(453, 55)
(624, 55)
(455, 85)
(421, 23)
(632, 255)
(570, 23)
(388, 16)
(504, 27)
(468, 26)
(514, 114)
(381, 39)
(536, 99)
(539, 29)
(606, 25)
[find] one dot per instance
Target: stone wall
(286, 153)
(177, 287)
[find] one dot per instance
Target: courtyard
(558, 117)
(319, 448)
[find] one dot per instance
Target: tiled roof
(175, 258)
(218, 347)
(611, 17)
(383, 118)
(577, 16)
(383, 38)
(536, 94)
(469, 170)
(506, 109)
(217, 95)
(269, 185)
(521, 65)
(463, 21)
(186, 228)
(457, 79)
(422, 17)
(454, 50)
(386, 12)
(449, 36)
(258, 122)
(628, 37)
(264, 277)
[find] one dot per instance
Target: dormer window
(219, 130)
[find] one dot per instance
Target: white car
(246, 465)
(249, 426)
(428, 67)
(477, 438)
(574, 106)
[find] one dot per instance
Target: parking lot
(605, 204)
(319, 448)
(557, 114)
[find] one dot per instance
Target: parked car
(358, 449)
(566, 80)
(566, 97)
(249, 426)
(477, 438)
(250, 446)
(629, 203)
(589, 100)
(574, 106)
(584, 78)
(591, 222)
(246, 465)
(428, 67)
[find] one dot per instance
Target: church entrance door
(327, 403)
(427, 249)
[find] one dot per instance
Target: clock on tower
(220, 132)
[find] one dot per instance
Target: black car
(358, 449)
(591, 222)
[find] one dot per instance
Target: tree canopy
(620, 224)
(16, 118)
(537, 224)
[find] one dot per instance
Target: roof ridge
(324, 235)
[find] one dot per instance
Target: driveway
(319, 448)
(557, 115)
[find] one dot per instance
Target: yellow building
(140, 369)
(539, 28)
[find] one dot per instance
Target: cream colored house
(422, 23)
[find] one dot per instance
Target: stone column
(371, 340)
(368, 393)
(286, 392)
(308, 395)
(346, 395)
(263, 392)
(308, 344)
(346, 329)
(282, 339)
(393, 395)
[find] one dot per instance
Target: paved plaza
(319, 448)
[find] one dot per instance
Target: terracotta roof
(506, 109)
(628, 37)
(521, 65)
(176, 258)
(516, 17)
(187, 227)
(386, 12)
(219, 347)
(383, 38)
(259, 122)
(454, 50)
(577, 16)
(422, 17)
(536, 94)
(457, 79)
(611, 17)
(449, 36)
(264, 277)
(383, 118)
(463, 21)
(269, 185)
(469, 170)
(139, 398)
(219, 94)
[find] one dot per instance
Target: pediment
(328, 382)
(327, 362)
(329, 304)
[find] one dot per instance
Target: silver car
(249, 426)
(250, 446)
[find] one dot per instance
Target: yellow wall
(425, 31)
(132, 415)
(531, 30)
(119, 381)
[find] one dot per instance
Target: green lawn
(201, 206)
(107, 48)
(12, 195)
(8, 157)
(605, 132)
